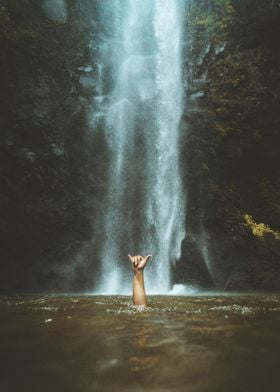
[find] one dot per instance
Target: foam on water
(181, 289)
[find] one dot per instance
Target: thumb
(147, 258)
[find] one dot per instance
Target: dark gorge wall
(231, 151)
(53, 164)
(46, 151)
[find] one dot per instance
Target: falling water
(143, 211)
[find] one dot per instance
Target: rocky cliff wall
(231, 147)
(47, 153)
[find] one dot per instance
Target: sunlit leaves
(259, 229)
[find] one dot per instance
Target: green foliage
(240, 81)
(210, 19)
(233, 92)
(259, 229)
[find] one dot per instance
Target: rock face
(53, 163)
(231, 150)
(47, 190)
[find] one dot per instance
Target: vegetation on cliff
(260, 229)
(233, 121)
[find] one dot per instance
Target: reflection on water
(92, 343)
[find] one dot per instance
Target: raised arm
(138, 265)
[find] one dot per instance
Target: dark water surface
(89, 343)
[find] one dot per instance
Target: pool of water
(102, 343)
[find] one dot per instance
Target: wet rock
(232, 127)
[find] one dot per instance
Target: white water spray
(144, 208)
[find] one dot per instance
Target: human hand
(139, 262)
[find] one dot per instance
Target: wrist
(138, 273)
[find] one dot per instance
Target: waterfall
(144, 209)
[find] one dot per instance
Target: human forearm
(139, 295)
(138, 265)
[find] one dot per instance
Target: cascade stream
(143, 211)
